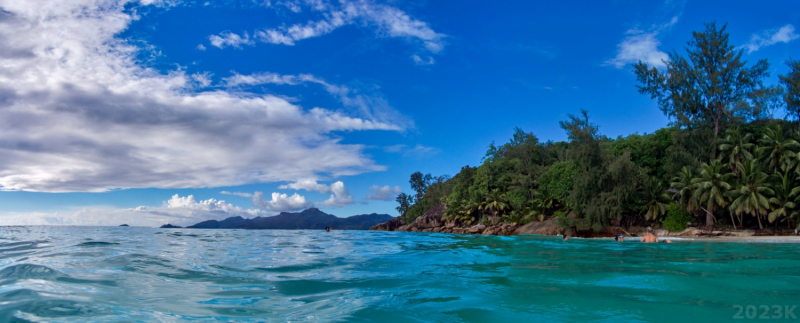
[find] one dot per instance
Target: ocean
(133, 274)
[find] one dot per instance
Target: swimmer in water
(327, 229)
(566, 237)
(619, 237)
(649, 237)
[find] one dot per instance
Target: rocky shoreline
(432, 222)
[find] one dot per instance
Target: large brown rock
(431, 219)
(390, 225)
(547, 227)
(477, 229)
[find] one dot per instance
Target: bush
(677, 218)
(413, 213)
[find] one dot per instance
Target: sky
(174, 111)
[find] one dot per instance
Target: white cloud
(783, 35)
(201, 47)
(642, 46)
(308, 185)
(416, 151)
(228, 38)
(639, 47)
(388, 21)
(369, 104)
(177, 210)
(384, 193)
(237, 194)
(340, 197)
(420, 61)
(78, 113)
(281, 202)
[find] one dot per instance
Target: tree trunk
(733, 222)
(709, 217)
(759, 222)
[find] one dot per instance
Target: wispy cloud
(416, 151)
(241, 194)
(388, 21)
(422, 61)
(642, 46)
(368, 103)
(80, 113)
(784, 34)
(383, 193)
(308, 185)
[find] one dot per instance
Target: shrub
(413, 213)
(677, 218)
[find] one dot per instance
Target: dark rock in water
(170, 226)
(391, 225)
(309, 219)
(124, 225)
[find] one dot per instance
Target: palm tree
(752, 194)
(710, 189)
(494, 202)
(736, 148)
(776, 148)
(685, 188)
(655, 199)
(786, 194)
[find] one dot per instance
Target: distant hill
(170, 226)
(309, 219)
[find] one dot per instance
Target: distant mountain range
(309, 219)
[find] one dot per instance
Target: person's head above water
(565, 237)
(649, 230)
(327, 229)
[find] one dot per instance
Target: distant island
(311, 218)
(123, 225)
(170, 226)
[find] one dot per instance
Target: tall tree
(791, 81)
(404, 200)
(776, 148)
(685, 188)
(419, 183)
(703, 89)
(752, 194)
(710, 189)
(784, 202)
(655, 199)
(736, 148)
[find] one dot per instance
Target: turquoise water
(101, 274)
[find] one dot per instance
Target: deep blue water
(118, 274)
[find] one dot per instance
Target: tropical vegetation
(724, 160)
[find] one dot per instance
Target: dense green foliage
(724, 158)
(677, 218)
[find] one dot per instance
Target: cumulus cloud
(281, 202)
(178, 210)
(784, 34)
(78, 113)
(642, 46)
(340, 197)
(308, 185)
(387, 20)
(384, 193)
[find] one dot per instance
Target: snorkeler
(619, 237)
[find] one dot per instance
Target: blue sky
(154, 111)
